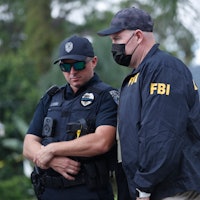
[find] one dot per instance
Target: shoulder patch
(115, 96)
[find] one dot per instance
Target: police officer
(72, 132)
(159, 113)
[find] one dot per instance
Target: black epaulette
(53, 90)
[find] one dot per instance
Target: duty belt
(61, 182)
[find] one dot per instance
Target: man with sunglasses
(159, 113)
(72, 134)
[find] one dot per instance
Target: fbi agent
(159, 113)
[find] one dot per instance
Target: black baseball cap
(75, 48)
(129, 19)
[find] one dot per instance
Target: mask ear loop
(130, 38)
(135, 47)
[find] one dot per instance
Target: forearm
(31, 146)
(86, 146)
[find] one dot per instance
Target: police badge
(87, 99)
(68, 47)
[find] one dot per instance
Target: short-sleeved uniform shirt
(107, 109)
(105, 114)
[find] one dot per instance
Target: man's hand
(43, 157)
(65, 166)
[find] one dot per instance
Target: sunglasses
(78, 66)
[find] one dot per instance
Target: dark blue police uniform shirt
(106, 115)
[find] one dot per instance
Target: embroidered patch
(115, 96)
(68, 47)
(87, 99)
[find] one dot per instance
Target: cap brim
(71, 57)
(109, 31)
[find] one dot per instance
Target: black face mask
(119, 55)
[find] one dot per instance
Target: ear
(140, 35)
(94, 61)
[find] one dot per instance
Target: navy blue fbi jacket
(159, 127)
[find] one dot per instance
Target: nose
(72, 70)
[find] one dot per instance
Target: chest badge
(87, 99)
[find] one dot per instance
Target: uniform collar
(149, 55)
(92, 81)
